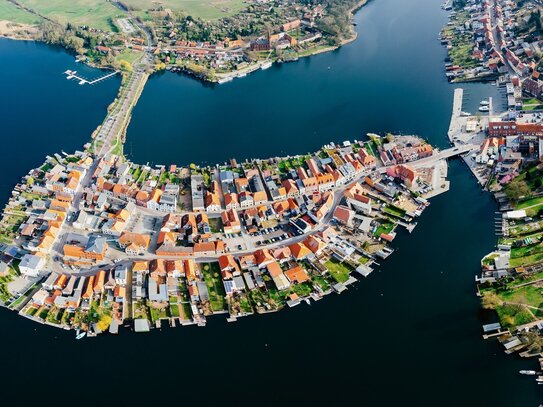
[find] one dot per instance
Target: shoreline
(22, 303)
(227, 77)
(221, 78)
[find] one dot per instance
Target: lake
(409, 334)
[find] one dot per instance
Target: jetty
(84, 81)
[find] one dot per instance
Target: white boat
(484, 102)
(80, 335)
(242, 75)
(465, 114)
(266, 65)
(528, 372)
(484, 109)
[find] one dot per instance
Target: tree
(125, 65)
(517, 189)
(104, 322)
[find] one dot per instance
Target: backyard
(212, 276)
(340, 271)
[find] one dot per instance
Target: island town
(93, 241)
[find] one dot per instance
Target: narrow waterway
(410, 334)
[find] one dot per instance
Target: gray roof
(95, 244)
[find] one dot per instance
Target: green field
(129, 56)
(10, 12)
(530, 202)
(94, 13)
(531, 104)
(207, 10)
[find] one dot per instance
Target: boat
(266, 65)
(465, 114)
(242, 75)
(80, 335)
(484, 102)
(528, 372)
(484, 109)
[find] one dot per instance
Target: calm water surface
(410, 334)
(42, 112)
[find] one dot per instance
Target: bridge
(83, 81)
(441, 155)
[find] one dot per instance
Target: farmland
(94, 13)
(206, 10)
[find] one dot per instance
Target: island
(92, 241)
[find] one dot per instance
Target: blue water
(409, 334)
(42, 112)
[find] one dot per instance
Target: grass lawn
(461, 53)
(340, 271)
(157, 314)
(174, 310)
(204, 9)
(529, 295)
(513, 315)
(531, 104)
(43, 313)
(129, 56)
(526, 255)
(187, 312)
(245, 304)
(321, 282)
(10, 12)
(531, 101)
(94, 13)
(212, 276)
(385, 227)
(530, 202)
(532, 107)
(117, 147)
(394, 210)
(31, 311)
(524, 261)
(303, 289)
(215, 224)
